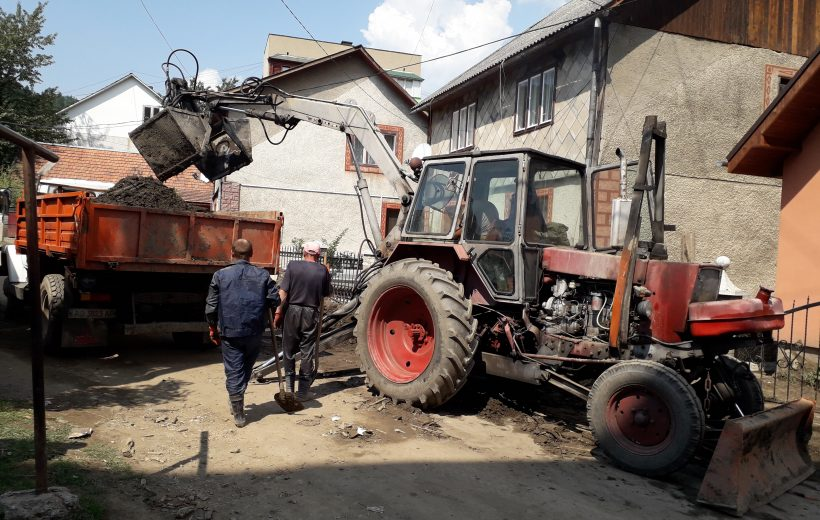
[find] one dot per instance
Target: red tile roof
(94, 164)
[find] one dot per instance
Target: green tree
(21, 108)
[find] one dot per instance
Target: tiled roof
(95, 164)
(568, 14)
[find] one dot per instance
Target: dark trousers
(238, 356)
(299, 335)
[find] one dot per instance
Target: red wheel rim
(400, 335)
(639, 420)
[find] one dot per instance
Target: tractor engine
(575, 309)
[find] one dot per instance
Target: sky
(99, 41)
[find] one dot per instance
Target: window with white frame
(463, 128)
(149, 112)
(361, 154)
(535, 100)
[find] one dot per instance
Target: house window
(364, 158)
(775, 80)
(149, 112)
(390, 216)
(463, 128)
(394, 135)
(535, 100)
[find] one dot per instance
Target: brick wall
(230, 196)
(606, 188)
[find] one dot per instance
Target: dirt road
(495, 453)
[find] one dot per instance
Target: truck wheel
(415, 333)
(645, 417)
(52, 298)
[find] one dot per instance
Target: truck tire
(52, 309)
(415, 333)
(645, 417)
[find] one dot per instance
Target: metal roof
(565, 16)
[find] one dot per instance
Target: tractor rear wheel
(745, 390)
(52, 303)
(645, 417)
(415, 333)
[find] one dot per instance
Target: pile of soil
(144, 192)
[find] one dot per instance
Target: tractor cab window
(491, 213)
(554, 212)
(434, 209)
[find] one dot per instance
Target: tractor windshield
(553, 213)
(435, 206)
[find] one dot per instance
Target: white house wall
(495, 108)
(104, 120)
(709, 94)
(305, 176)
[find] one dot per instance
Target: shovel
(286, 400)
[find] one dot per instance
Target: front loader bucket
(171, 140)
(759, 457)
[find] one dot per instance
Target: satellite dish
(421, 151)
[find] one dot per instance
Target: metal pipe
(592, 121)
(37, 357)
(366, 201)
(575, 360)
(622, 157)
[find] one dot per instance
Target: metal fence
(789, 367)
(344, 268)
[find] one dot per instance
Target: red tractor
(493, 266)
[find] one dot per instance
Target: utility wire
(423, 27)
(161, 33)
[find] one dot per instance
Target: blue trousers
(238, 356)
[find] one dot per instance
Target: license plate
(95, 314)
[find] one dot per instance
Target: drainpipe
(592, 123)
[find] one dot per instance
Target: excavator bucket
(175, 139)
(759, 457)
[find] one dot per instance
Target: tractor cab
(503, 208)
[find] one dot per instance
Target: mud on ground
(498, 450)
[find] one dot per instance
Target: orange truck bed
(96, 236)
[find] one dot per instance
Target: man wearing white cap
(305, 285)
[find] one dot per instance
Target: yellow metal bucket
(759, 457)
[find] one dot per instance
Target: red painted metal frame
(735, 316)
(105, 236)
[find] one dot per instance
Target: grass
(82, 467)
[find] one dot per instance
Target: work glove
(213, 332)
(277, 320)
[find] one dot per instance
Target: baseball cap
(312, 248)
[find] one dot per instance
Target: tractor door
(491, 224)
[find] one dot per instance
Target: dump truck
(493, 267)
(111, 270)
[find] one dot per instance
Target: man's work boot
(238, 410)
(302, 393)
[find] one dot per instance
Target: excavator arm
(211, 130)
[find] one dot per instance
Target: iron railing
(344, 268)
(789, 367)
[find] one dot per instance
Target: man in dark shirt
(237, 311)
(303, 288)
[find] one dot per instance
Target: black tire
(52, 310)
(745, 387)
(658, 439)
(432, 289)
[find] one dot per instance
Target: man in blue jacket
(237, 310)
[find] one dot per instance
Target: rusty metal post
(37, 378)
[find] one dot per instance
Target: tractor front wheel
(415, 333)
(645, 417)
